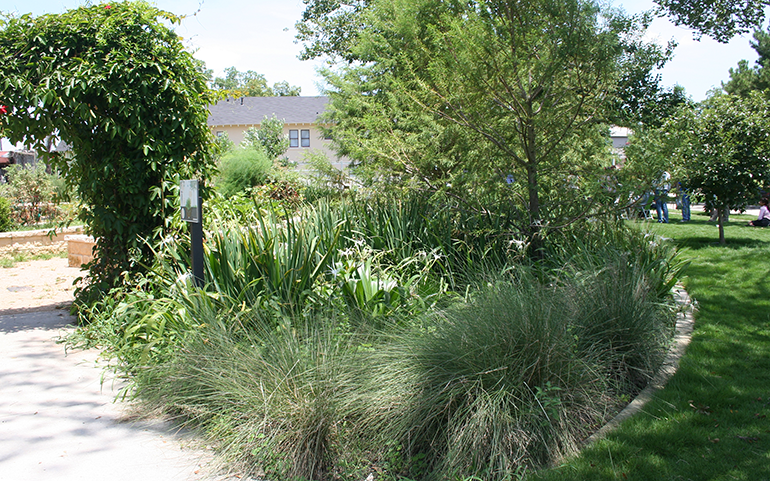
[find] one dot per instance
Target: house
(14, 154)
(234, 116)
(619, 137)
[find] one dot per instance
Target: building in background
(234, 116)
(619, 137)
(14, 154)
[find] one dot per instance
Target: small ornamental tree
(115, 83)
(269, 136)
(723, 149)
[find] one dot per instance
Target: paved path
(58, 423)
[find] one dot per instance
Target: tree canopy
(331, 27)
(722, 147)
(473, 98)
(720, 20)
(269, 136)
(746, 79)
(115, 83)
(252, 84)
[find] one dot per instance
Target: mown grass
(712, 421)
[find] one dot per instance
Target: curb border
(682, 335)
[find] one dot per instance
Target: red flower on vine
(3, 109)
(108, 7)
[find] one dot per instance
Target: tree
(283, 89)
(269, 136)
(481, 85)
(745, 79)
(331, 27)
(723, 148)
(32, 191)
(641, 101)
(720, 20)
(115, 83)
(251, 84)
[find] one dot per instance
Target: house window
(299, 138)
(220, 133)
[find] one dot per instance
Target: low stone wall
(80, 249)
(39, 236)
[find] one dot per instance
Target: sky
(259, 35)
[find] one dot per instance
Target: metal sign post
(192, 212)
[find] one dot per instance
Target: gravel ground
(37, 285)
(59, 420)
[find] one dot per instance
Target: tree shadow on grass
(732, 243)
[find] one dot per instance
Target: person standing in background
(661, 197)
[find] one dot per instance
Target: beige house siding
(295, 154)
(235, 116)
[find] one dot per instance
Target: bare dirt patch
(37, 285)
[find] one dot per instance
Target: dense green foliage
(6, 221)
(409, 336)
(473, 100)
(115, 83)
(242, 168)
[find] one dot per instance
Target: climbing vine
(116, 84)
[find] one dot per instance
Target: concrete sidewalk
(57, 422)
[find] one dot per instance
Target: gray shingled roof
(251, 110)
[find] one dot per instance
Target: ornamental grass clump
(492, 389)
(618, 315)
(268, 398)
(512, 380)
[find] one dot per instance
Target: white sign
(188, 195)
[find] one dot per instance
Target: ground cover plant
(347, 338)
(711, 421)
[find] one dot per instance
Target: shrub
(240, 169)
(6, 222)
(32, 190)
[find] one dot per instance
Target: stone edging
(684, 326)
(40, 236)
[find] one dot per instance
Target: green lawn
(712, 421)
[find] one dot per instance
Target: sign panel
(188, 195)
